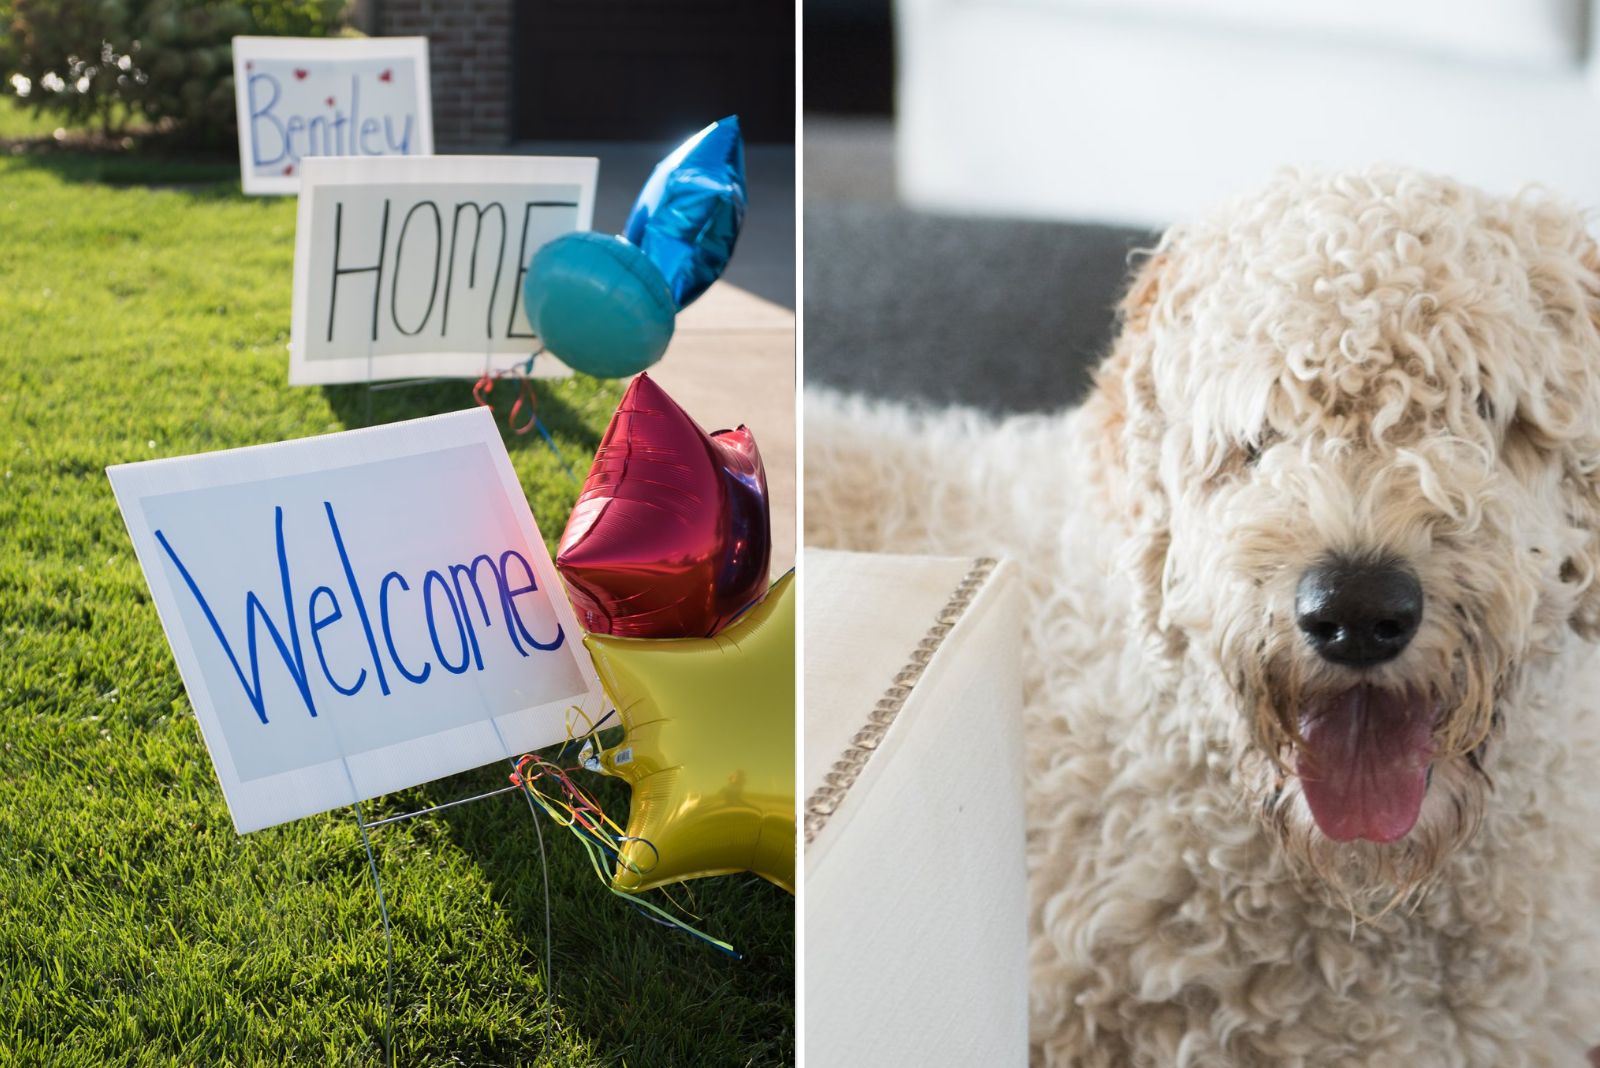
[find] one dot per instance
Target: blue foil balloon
(688, 214)
(599, 304)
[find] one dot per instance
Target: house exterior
(510, 71)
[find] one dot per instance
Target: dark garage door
(652, 70)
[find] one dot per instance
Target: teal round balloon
(599, 304)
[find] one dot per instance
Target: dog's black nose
(1358, 614)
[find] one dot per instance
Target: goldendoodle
(1313, 704)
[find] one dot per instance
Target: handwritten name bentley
(455, 601)
(340, 132)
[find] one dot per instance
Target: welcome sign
(300, 97)
(357, 613)
(414, 266)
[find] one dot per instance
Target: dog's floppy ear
(1557, 406)
(1124, 392)
(1126, 425)
(1581, 474)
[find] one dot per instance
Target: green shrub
(8, 51)
(166, 61)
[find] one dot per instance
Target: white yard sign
(356, 613)
(299, 97)
(406, 267)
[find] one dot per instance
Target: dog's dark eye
(1252, 450)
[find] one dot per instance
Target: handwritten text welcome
(456, 600)
(357, 612)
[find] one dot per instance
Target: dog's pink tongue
(1364, 765)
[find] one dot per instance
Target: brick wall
(469, 51)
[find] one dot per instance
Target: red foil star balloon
(671, 535)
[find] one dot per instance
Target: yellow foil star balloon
(709, 748)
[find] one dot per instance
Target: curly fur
(1384, 363)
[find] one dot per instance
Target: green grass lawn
(144, 310)
(21, 122)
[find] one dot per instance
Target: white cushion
(1021, 111)
(1539, 32)
(914, 886)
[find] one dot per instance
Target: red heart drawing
(300, 73)
(288, 168)
(330, 101)
(386, 76)
(249, 66)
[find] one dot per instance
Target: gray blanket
(996, 314)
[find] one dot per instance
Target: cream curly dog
(1314, 576)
